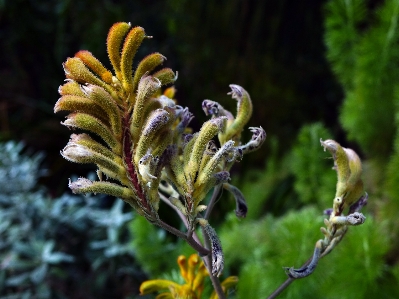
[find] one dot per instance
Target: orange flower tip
(193, 260)
(83, 53)
(170, 92)
(107, 77)
(95, 65)
(181, 259)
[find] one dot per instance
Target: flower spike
(349, 193)
(146, 144)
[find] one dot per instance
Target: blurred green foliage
(259, 45)
(276, 51)
(154, 249)
(363, 51)
(67, 247)
(352, 270)
(313, 182)
(362, 45)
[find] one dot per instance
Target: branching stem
(285, 284)
(281, 288)
(193, 243)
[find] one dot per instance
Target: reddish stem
(127, 155)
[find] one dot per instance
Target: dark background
(274, 49)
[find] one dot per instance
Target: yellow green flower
(193, 271)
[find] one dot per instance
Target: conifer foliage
(362, 46)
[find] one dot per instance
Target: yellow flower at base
(194, 272)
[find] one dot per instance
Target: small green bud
(147, 87)
(87, 141)
(71, 88)
(146, 66)
(81, 104)
(244, 113)
(349, 169)
(80, 154)
(208, 130)
(92, 124)
(83, 185)
(209, 169)
(107, 103)
(157, 120)
(166, 76)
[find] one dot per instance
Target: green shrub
(63, 247)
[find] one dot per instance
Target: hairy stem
(193, 243)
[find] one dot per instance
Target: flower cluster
(144, 143)
(193, 272)
(349, 196)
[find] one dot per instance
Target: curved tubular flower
(349, 194)
(244, 113)
(194, 273)
(144, 135)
